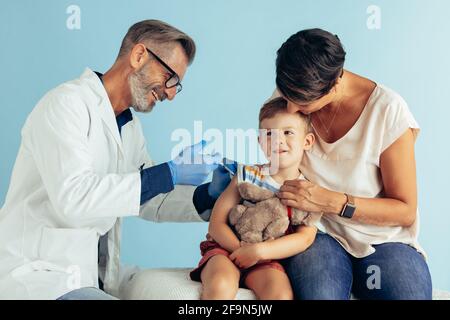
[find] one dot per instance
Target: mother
(362, 178)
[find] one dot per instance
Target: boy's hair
(279, 105)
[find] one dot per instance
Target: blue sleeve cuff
(173, 172)
(155, 180)
(202, 200)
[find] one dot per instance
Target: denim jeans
(87, 294)
(325, 271)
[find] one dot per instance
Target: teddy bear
(261, 216)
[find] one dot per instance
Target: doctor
(83, 165)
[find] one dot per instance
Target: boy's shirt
(255, 175)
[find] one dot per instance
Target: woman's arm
(219, 229)
(398, 208)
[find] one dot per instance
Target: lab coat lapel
(109, 119)
(105, 108)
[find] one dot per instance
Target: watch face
(349, 211)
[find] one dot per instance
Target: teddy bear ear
(236, 214)
(249, 191)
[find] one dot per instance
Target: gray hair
(158, 32)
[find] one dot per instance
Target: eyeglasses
(174, 80)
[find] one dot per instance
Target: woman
(362, 177)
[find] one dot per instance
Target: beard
(141, 87)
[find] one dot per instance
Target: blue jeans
(87, 294)
(325, 271)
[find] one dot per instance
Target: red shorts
(211, 248)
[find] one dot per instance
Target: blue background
(232, 75)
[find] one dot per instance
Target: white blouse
(352, 165)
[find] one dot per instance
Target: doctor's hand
(222, 177)
(191, 166)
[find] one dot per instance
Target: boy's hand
(247, 255)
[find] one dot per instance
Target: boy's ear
(310, 138)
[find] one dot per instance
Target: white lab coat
(73, 180)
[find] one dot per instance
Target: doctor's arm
(179, 203)
(162, 200)
(57, 136)
(190, 167)
(186, 203)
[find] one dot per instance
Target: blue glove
(191, 166)
(222, 177)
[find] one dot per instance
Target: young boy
(227, 262)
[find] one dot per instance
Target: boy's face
(283, 139)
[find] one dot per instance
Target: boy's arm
(289, 245)
(219, 229)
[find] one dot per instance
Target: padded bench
(175, 284)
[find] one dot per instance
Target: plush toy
(262, 216)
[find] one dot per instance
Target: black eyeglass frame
(173, 74)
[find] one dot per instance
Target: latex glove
(191, 166)
(222, 177)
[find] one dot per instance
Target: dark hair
(308, 65)
(279, 105)
(158, 32)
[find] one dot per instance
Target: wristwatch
(349, 207)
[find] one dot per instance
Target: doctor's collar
(99, 75)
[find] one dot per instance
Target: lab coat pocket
(72, 249)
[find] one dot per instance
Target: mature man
(83, 164)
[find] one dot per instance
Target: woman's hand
(307, 196)
(247, 255)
